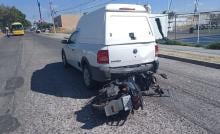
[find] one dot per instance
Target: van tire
(87, 78)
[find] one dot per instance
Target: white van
(114, 40)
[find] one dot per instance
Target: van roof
(125, 7)
(16, 23)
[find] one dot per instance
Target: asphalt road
(38, 95)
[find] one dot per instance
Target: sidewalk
(192, 54)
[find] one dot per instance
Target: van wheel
(87, 78)
(65, 63)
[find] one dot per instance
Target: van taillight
(102, 57)
(156, 50)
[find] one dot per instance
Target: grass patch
(199, 45)
(173, 42)
(215, 45)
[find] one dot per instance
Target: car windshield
(16, 27)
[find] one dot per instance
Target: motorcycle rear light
(156, 50)
(102, 57)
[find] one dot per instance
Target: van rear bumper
(105, 74)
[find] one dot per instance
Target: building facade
(66, 22)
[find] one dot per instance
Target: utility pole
(38, 4)
(175, 26)
(52, 15)
(198, 24)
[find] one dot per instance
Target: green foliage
(44, 25)
(215, 45)
(8, 15)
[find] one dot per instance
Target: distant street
(38, 95)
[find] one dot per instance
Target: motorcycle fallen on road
(125, 94)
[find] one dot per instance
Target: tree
(44, 25)
(8, 15)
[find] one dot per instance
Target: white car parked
(114, 40)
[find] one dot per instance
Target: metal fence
(195, 28)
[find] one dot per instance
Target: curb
(201, 63)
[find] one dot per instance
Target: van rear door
(130, 38)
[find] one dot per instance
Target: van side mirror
(159, 27)
(65, 41)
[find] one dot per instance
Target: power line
(77, 6)
(101, 4)
(91, 7)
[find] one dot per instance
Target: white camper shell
(112, 24)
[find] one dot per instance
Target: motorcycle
(126, 94)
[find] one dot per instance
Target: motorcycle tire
(97, 106)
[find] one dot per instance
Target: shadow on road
(55, 80)
(89, 119)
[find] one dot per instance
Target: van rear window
(128, 29)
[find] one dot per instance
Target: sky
(29, 7)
